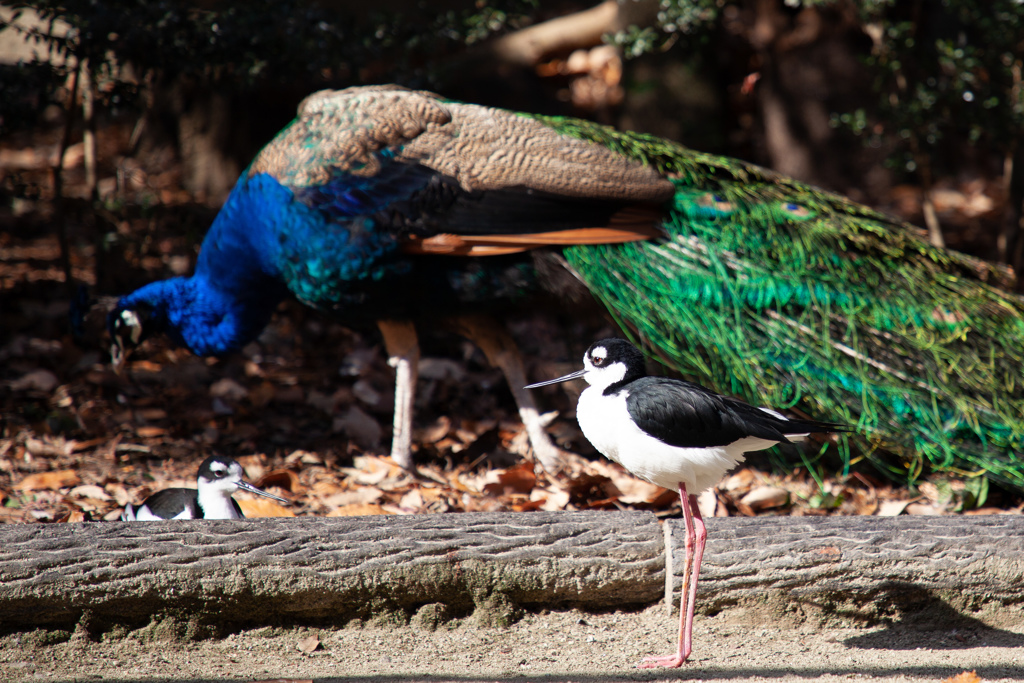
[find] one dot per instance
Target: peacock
(388, 205)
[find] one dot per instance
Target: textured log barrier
(212, 576)
(860, 569)
(267, 571)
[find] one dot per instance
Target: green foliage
(943, 70)
(693, 19)
(260, 41)
(975, 493)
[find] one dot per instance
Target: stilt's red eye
(597, 360)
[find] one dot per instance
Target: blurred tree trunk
(1011, 240)
(216, 131)
(207, 126)
(807, 65)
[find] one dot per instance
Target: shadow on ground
(939, 627)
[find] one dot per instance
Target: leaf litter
(306, 408)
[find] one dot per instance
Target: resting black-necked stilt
(674, 434)
(219, 476)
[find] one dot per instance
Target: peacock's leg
(494, 340)
(404, 356)
(696, 538)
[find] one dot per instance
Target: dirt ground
(554, 646)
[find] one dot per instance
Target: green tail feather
(792, 297)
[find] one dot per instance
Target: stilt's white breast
(217, 504)
(606, 423)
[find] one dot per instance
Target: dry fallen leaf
(357, 510)
(631, 489)
(73, 516)
(526, 505)
(984, 511)
(922, 509)
(892, 508)
(229, 389)
(412, 501)
(739, 483)
(551, 499)
(518, 479)
(308, 644)
(48, 447)
(48, 480)
(368, 469)
(304, 457)
(262, 395)
(434, 432)
(76, 446)
(88, 491)
(707, 502)
(262, 507)
(765, 497)
(285, 479)
(357, 496)
(38, 380)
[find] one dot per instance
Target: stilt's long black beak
(566, 378)
(246, 486)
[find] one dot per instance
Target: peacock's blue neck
(237, 253)
(206, 319)
(236, 286)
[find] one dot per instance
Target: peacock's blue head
(192, 313)
(138, 316)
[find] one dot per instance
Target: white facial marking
(134, 323)
(599, 374)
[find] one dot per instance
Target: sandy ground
(555, 646)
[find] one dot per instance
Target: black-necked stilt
(674, 434)
(219, 476)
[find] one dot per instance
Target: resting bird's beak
(246, 486)
(571, 376)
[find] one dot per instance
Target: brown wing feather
(480, 147)
(492, 245)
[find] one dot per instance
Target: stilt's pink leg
(696, 538)
(701, 538)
